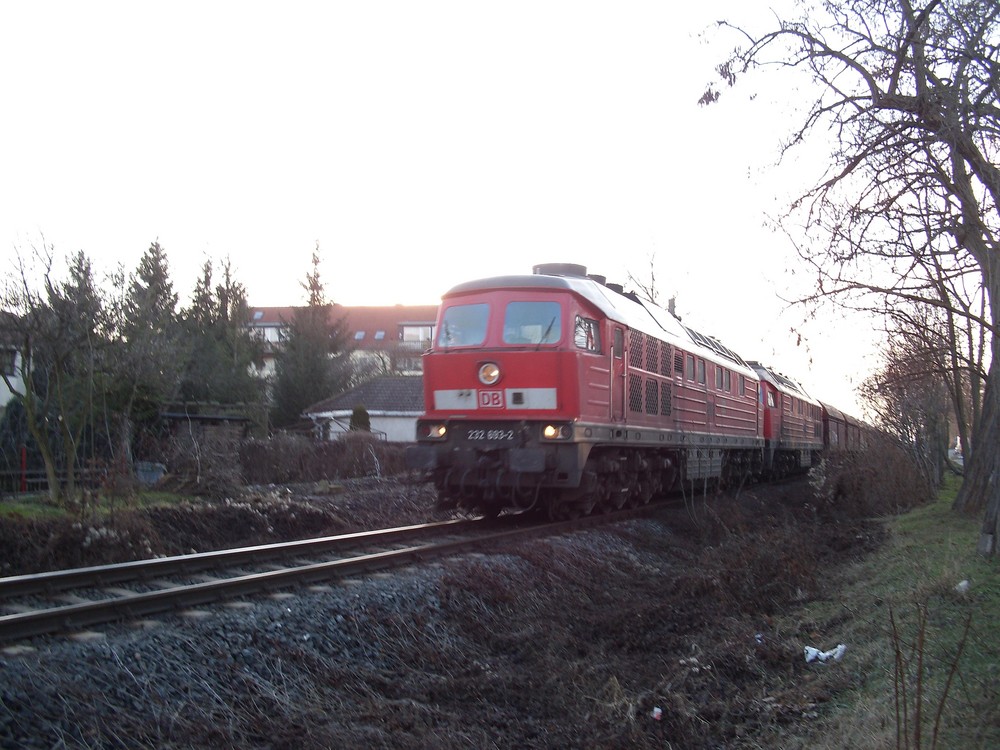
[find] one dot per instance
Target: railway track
(72, 600)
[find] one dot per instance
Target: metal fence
(19, 482)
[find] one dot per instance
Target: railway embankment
(688, 628)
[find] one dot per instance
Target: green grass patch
(922, 668)
(38, 507)
(31, 508)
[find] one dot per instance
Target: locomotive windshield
(464, 325)
(532, 323)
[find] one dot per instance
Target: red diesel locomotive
(558, 391)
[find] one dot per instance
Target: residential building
(393, 403)
(10, 363)
(386, 340)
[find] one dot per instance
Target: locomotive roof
(782, 382)
(624, 308)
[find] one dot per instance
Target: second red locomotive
(559, 391)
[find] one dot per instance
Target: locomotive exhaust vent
(560, 269)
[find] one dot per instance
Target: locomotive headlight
(435, 431)
(489, 373)
(557, 432)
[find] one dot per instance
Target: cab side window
(587, 334)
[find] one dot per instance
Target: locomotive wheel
(565, 511)
(633, 498)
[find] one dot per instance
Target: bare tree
(61, 330)
(910, 396)
(647, 290)
(911, 95)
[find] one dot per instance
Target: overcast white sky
(420, 143)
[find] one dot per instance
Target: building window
(415, 333)
(379, 335)
(701, 371)
(690, 367)
(358, 335)
(718, 378)
(619, 343)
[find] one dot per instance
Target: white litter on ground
(814, 654)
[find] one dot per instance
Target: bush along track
(687, 629)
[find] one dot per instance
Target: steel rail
(139, 570)
(72, 617)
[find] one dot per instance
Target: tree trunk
(35, 427)
(989, 465)
(41, 440)
(981, 488)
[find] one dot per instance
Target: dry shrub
(879, 482)
(751, 556)
(277, 460)
(285, 459)
(203, 464)
(237, 523)
(762, 572)
(34, 547)
(362, 455)
(20, 543)
(757, 557)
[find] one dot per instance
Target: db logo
(491, 399)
